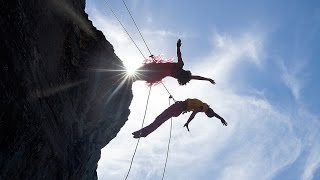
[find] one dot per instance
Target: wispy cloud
(229, 52)
(313, 163)
(293, 76)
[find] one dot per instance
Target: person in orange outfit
(194, 105)
(155, 71)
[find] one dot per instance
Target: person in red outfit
(154, 72)
(194, 105)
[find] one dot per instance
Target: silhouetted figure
(175, 110)
(155, 72)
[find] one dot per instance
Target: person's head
(183, 76)
(210, 113)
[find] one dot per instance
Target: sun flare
(131, 68)
(131, 71)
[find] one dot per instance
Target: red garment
(155, 72)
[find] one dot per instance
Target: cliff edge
(57, 110)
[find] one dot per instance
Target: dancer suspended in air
(154, 72)
(194, 105)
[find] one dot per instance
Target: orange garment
(193, 104)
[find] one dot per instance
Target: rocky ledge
(57, 108)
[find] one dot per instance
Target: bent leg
(173, 111)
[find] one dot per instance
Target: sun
(131, 71)
(131, 68)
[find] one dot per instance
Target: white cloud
(259, 141)
(293, 77)
(313, 163)
(229, 52)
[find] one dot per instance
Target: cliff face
(56, 110)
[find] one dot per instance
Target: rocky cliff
(57, 110)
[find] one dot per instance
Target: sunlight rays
(40, 93)
(119, 78)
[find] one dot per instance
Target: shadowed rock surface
(56, 111)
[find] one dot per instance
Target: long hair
(183, 76)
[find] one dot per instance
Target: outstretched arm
(224, 122)
(203, 78)
(180, 62)
(191, 118)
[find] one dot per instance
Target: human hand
(212, 81)
(224, 122)
(179, 43)
(186, 125)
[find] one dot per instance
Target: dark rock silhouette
(56, 111)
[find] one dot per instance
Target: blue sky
(263, 56)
